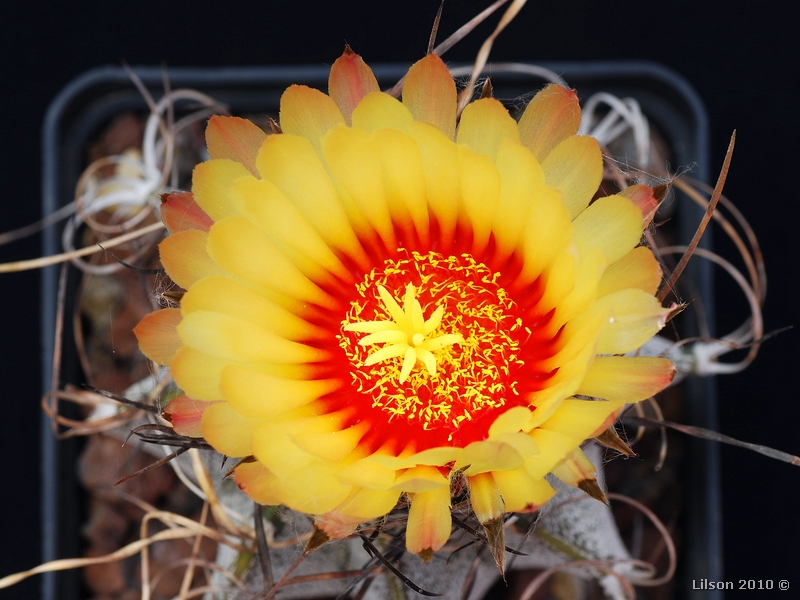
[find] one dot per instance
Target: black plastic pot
(92, 100)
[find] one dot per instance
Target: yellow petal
(421, 479)
(637, 269)
(225, 336)
(484, 496)
(480, 193)
(228, 431)
(510, 421)
(291, 163)
(429, 92)
(350, 80)
(575, 469)
(234, 139)
(521, 492)
(575, 167)
(273, 446)
(366, 505)
(521, 177)
(211, 184)
(634, 317)
(488, 455)
(198, 374)
(240, 248)
(581, 419)
(552, 116)
(230, 297)
(269, 210)
(262, 395)
(313, 490)
(626, 378)
(429, 521)
(368, 474)
(613, 224)
(554, 446)
(547, 231)
(185, 258)
(404, 183)
(442, 179)
(256, 481)
(158, 336)
(332, 446)
(484, 124)
(356, 165)
(308, 113)
(380, 111)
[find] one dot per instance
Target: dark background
(742, 63)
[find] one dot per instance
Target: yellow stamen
(406, 334)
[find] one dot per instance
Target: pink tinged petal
(637, 269)
(581, 419)
(521, 178)
(235, 139)
(183, 255)
(269, 210)
(180, 212)
(521, 492)
(158, 335)
(404, 183)
(357, 167)
(185, 414)
(480, 193)
(634, 316)
(429, 92)
(231, 297)
(575, 167)
(350, 80)
(488, 455)
(291, 163)
(429, 521)
(241, 249)
(552, 116)
(646, 200)
(442, 181)
(308, 113)
(257, 482)
(227, 337)
(484, 496)
(229, 432)
(484, 124)
(211, 185)
(547, 231)
(264, 395)
(613, 224)
(380, 111)
(626, 378)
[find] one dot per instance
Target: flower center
(442, 371)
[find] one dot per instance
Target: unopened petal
(236, 139)
(429, 92)
(350, 80)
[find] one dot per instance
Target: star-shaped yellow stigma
(406, 335)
